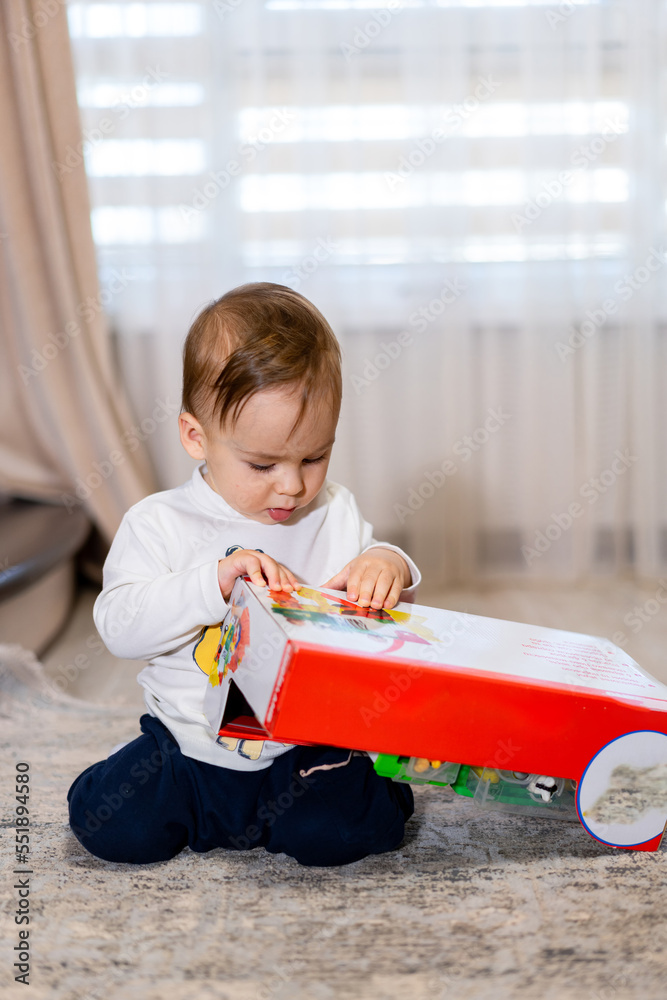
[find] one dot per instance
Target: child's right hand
(261, 569)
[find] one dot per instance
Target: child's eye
(266, 468)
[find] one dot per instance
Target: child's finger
(354, 580)
(272, 572)
(257, 577)
(382, 586)
(393, 597)
(287, 581)
(339, 581)
(247, 564)
(255, 567)
(362, 591)
(278, 576)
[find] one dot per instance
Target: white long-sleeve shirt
(160, 590)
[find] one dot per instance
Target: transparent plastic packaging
(417, 770)
(421, 769)
(517, 792)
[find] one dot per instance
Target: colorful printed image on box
(221, 648)
(392, 630)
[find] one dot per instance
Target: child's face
(261, 469)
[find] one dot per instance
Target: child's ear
(192, 435)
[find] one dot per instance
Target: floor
(474, 904)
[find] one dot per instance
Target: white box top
(454, 639)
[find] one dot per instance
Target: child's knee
(110, 835)
(343, 817)
(329, 844)
(114, 827)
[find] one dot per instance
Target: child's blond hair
(256, 337)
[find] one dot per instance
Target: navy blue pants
(148, 801)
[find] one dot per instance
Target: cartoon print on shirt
(207, 649)
(250, 749)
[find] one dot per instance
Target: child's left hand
(374, 579)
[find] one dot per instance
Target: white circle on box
(622, 795)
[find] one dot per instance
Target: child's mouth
(280, 513)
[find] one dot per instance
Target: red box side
(468, 716)
(244, 727)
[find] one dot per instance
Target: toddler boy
(261, 397)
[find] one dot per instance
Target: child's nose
(291, 482)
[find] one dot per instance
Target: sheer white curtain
(474, 195)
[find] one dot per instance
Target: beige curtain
(66, 430)
(474, 196)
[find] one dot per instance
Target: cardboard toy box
(505, 698)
